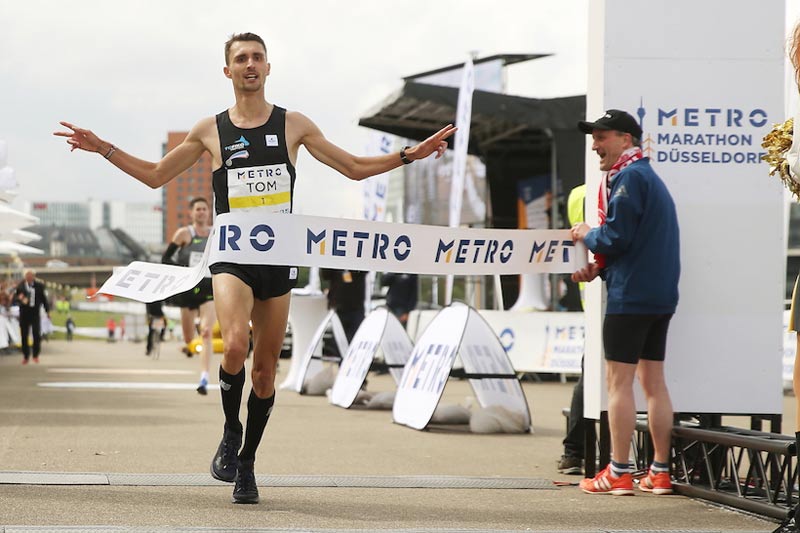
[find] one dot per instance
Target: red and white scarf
(631, 155)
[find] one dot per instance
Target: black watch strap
(403, 158)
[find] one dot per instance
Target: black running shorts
(266, 281)
(628, 338)
(194, 298)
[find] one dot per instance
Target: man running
(253, 135)
(190, 243)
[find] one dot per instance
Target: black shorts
(196, 297)
(628, 338)
(265, 280)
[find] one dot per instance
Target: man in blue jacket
(637, 253)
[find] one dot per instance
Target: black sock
(258, 411)
(230, 387)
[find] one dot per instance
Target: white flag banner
(376, 188)
(300, 240)
(150, 282)
(463, 120)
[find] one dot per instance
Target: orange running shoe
(657, 483)
(605, 483)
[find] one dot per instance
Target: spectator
(637, 253)
(572, 460)
(401, 297)
(31, 297)
(156, 325)
(112, 328)
(346, 294)
(70, 325)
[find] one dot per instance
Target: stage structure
(457, 330)
(515, 137)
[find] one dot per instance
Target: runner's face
(199, 213)
(609, 145)
(247, 66)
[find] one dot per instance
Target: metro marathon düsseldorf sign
(703, 134)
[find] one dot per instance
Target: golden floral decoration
(777, 142)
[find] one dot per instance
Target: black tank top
(256, 172)
(190, 254)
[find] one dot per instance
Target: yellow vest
(576, 205)
(576, 212)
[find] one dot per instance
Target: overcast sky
(133, 70)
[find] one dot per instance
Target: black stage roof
(501, 124)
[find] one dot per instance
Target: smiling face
(247, 66)
(609, 145)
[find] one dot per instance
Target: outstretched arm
(358, 167)
(153, 175)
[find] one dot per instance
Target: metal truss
(746, 469)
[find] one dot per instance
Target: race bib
(268, 187)
(195, 258)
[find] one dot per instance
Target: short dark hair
(236, 37)
(197, 200)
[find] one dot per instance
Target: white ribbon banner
(300, 240)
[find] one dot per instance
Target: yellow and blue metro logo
(358, 244)
(712, 117)
(546, 251)
(474, 251)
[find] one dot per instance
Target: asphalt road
(320, 467)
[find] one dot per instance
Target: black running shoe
(202, 387)
(223, 466)
(245, 490)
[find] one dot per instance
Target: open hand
(434, 143)
(79, 138)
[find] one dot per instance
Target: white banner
(482, 354)
(545, 342)
(377, 331)
(457, 329)
(426, 373)
(306, 311)
(149, 282)
(396, 346)
(377, 187)
(704, 101)
(279, 239)
(463, 121)
(309, 366)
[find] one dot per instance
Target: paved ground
(321, 468)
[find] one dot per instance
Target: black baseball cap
(613, 119)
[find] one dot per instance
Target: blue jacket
(641, 242)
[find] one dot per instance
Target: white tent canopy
(19, 235)
(8, 248)
(11, 219)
